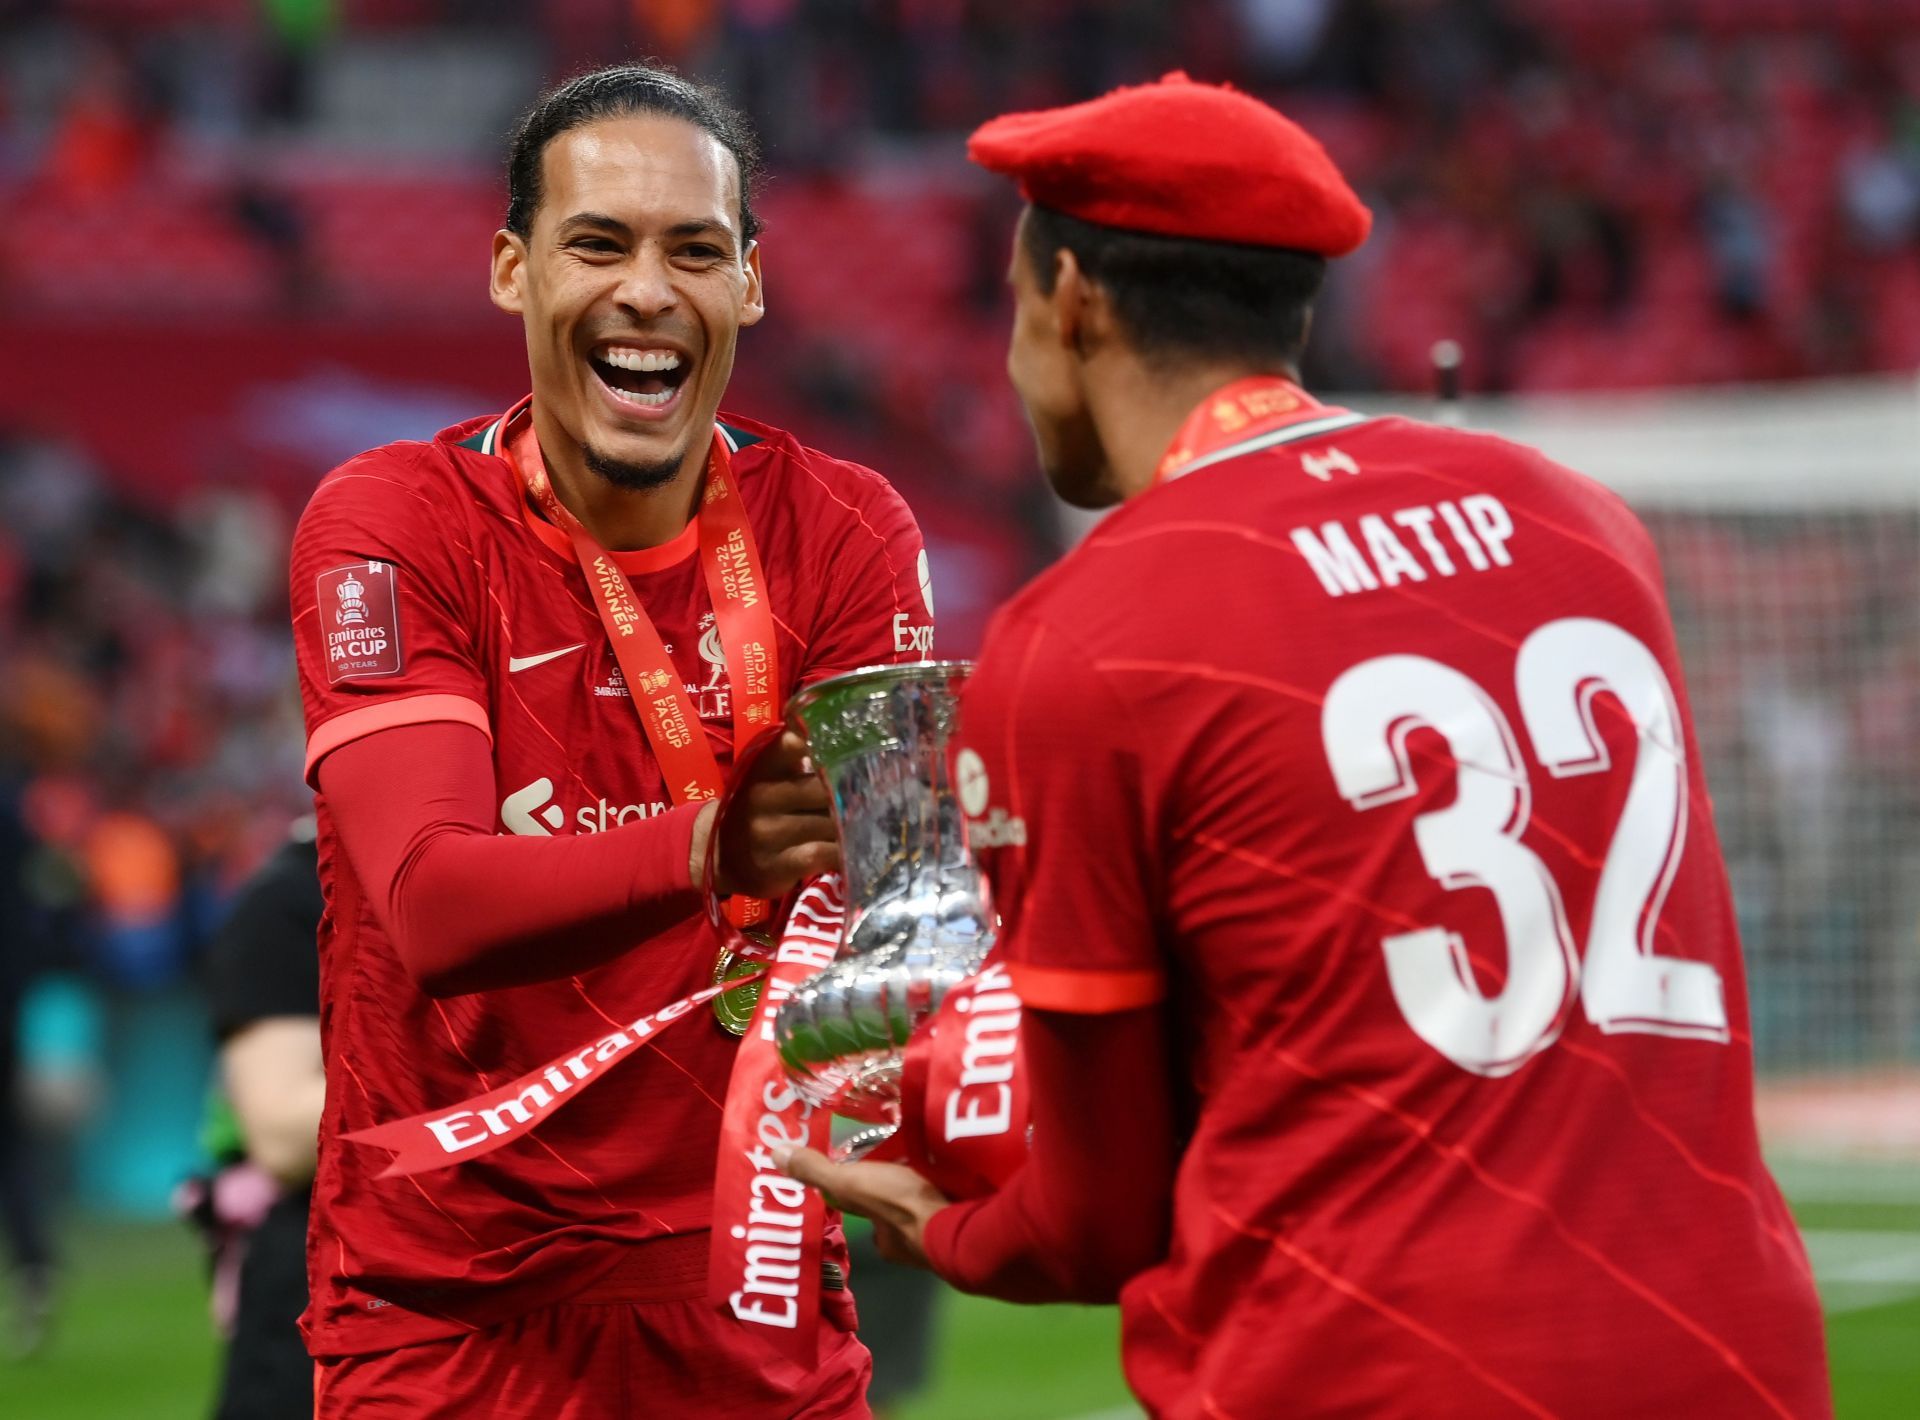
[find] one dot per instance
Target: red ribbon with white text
(768, 1228)
(477, 1126)
(963, 1090)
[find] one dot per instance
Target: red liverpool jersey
(424, 588)
(1366, 748)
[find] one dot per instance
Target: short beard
(635, 477)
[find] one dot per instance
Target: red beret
(1180, 159)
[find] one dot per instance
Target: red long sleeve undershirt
(469, 909)
(1091, 1206)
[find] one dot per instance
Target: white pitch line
(1899, 1268)
(1842, 1255)
(1859, 1270)
(1866, 1301)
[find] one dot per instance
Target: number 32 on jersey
(1475, 841)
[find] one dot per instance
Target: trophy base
(861, 1142)
(864, 1090)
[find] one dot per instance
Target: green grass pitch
(133, 1340)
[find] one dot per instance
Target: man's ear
(1082, 307)
(1069, 297)
(509, 269)
(754, 305)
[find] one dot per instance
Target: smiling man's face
(633, 283)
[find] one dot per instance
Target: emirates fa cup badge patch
(359, 608)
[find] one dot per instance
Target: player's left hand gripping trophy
(920, 917)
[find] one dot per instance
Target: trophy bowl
(919, 917)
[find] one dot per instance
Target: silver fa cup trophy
(920, 917)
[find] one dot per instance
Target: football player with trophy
(531, 650)
(1340, 812)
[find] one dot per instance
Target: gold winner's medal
(734, 1009)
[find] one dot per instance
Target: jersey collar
(511, 438)
(1245, 417)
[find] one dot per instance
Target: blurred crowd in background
(149, 716)
(247, 238)
(1633, 193)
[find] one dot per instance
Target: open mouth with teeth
(647, 379)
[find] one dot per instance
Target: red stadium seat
(162, 248)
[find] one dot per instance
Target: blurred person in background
(566, 620)
(263, 986)
(898, 1310)
(22, 1212)
(1324, 1091)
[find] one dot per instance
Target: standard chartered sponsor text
(532, 812)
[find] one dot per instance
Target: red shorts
(618, 1351)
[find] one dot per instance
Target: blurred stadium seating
(246, 238)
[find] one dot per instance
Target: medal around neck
(734, 1008)
(920, 916)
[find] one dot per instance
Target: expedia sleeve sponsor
(910, 634)
(359, 611)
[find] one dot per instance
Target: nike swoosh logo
(521, 663)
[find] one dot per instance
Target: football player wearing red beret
(1386, 1025)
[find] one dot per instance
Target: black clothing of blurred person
(21, 1214)
(263, 982)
